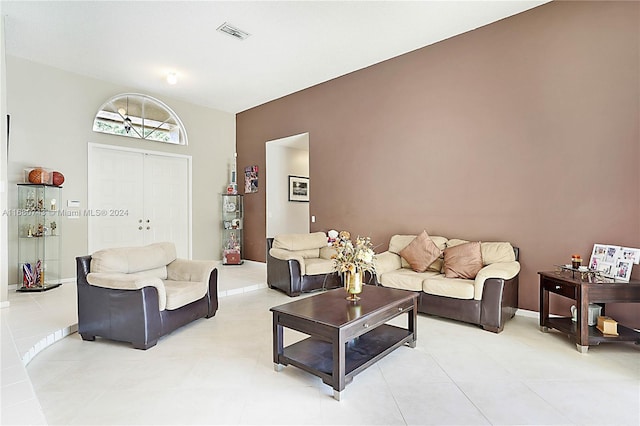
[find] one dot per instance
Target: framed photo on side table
(614, 261)
(623, 269)
(298, 188)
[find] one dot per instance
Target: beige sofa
(138, 294)
(488, 298)
(300, 263)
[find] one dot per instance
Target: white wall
(282, 160)
(52, 115)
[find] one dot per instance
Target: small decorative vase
(353, 311)
(353, 284)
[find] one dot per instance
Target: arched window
(140, 116)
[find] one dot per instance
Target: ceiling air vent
(233, 31)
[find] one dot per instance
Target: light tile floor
(220, 371)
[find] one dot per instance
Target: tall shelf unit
(232, 227)
(39, 239)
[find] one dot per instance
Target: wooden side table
(584, 293)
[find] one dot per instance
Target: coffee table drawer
(376, 319)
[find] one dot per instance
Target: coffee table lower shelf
(316, 356)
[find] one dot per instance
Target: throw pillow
(463, 261)
(421, 252)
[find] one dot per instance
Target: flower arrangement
(351, 256)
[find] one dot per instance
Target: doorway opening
(286, 157)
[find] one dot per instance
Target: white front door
(166, 201)
(137, 198)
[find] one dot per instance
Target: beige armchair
(300, 263)
(138, 294)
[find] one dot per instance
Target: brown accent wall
(525, 130)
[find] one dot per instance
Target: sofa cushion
(463, 260)
(456, 288)
(133, 259)
(387, 261)
(405, 279)
(455, 242)
(398, 242)
(313, 240)
(421, 252)
(497, 252)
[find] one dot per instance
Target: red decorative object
(58, 178)
(231, 257)
(38, 175)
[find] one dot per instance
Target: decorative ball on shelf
(58, 178)
(39, 175)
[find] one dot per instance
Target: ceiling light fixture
(233, 31)
(172, 78)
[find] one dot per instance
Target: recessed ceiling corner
(233, 31)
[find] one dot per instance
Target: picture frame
(632, 254)
(299, 188)
(614, 261)
(250, 179)
(623, 269)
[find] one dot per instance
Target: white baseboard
(527, 313)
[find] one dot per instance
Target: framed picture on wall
(250, 179)
(298, 188)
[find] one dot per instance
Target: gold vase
(353, 284)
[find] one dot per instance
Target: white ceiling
(293, 44)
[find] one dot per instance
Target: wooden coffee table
(344, 337)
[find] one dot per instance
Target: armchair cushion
(313, 240)
(328, 252)
(181, 293)
(133, 259)
(178, 281)
(318, 266)
(283, 254)
(190, 270)
(121, 281)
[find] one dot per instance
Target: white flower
(352, 257)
